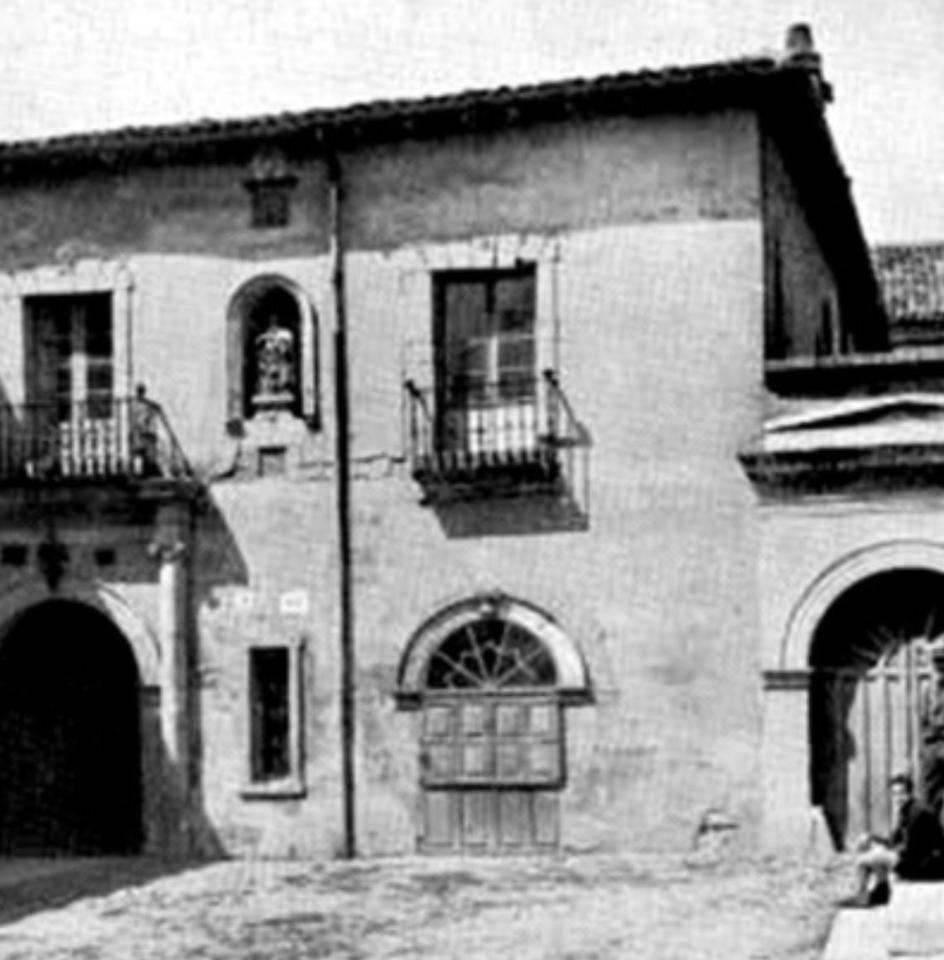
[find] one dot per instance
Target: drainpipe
(343, 456)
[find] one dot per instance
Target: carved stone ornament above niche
(270, 182)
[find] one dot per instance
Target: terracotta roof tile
(911, 277)
(635, 90)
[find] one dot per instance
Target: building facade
(490, 391)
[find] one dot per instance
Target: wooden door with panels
(873, 691)
(492, 758)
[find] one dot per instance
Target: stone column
(169, 548)
(788, 821)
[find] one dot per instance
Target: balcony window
(70, 357)
(72, 425)
(486, 389)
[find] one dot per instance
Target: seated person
(915, 850)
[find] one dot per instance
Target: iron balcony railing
(98, 439)
(489, 433)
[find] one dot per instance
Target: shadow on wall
(221, 563)
(510, 516)
(87, 771)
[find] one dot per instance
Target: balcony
(493, 440)
(100, 441)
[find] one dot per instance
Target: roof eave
(736, 83)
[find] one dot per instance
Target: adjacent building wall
(802, 307)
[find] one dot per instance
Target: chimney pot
(800, 40)
(801, 52)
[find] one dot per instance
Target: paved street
(576, 908)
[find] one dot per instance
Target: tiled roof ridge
(902, 246)
(332, 118)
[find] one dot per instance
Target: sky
(73, 65)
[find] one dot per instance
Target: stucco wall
(647, 241)
(658, 592)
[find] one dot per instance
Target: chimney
(800, 51)
(800, 40)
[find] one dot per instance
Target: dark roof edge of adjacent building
(729, 82)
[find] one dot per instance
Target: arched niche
(269, 309)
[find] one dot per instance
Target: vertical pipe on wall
(342, 449)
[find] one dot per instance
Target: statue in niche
(275, 366)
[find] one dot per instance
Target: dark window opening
(485, 336)
(485, 361)
(70, 355)
(270, 749)
(14, 554)
(271, 204)
(270, 183)
(105, 556)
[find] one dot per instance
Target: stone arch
(16, 602)
(70, 732)
(572, 678)
(839, 577)
(242, 302)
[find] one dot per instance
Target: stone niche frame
(240, 304)
(789, 821)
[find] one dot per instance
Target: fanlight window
(490, 654)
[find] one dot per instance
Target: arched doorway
(69, 735)
(491, 678)
(871, 681)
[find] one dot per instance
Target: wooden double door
(491, 773)
(866, 726)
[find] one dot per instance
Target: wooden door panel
(476, 761)
(474, 719)
(437, 720)
(440, 820)
(546, 815)
(515, 825)
(478, 820)
(439, 761)
(868, 729)
(491, 770)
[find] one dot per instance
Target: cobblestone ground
(576, 908)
